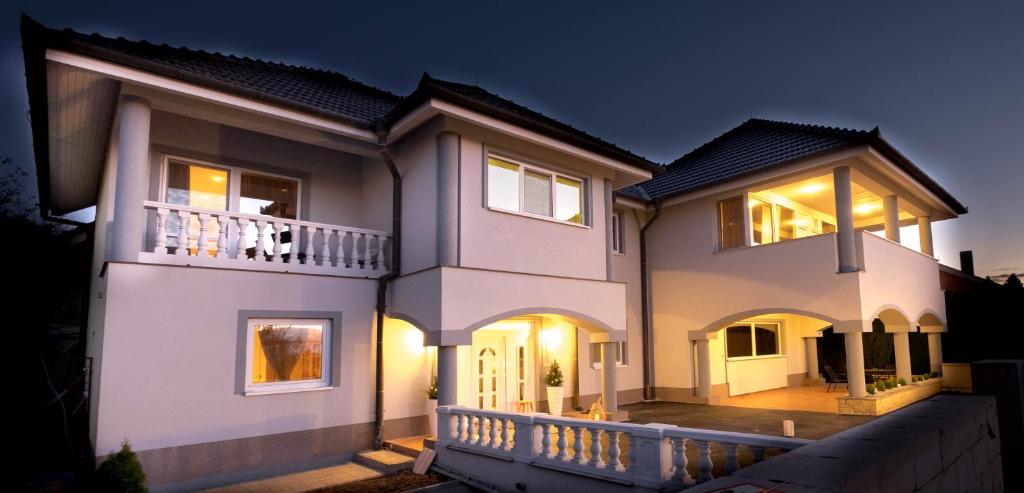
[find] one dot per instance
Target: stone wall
(946, 443)
(889, 400)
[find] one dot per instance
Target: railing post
(445, 432)
(161, 230)
(243, 226)
(202, 244)
(261, 249)
(278, 257)
(222, 236)
(652, 454)
(526, 444)
(184, 217)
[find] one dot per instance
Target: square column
(891, 212)
(855, 364)
(608, 377)
(811, 350)
(447, 375)
(844, 218)
(703, 369)
(447, 198)
(132, 187)
(924, 228)
(935, 351)
(901, 347)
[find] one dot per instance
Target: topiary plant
(902, 381)
(121, 472)
(554, 377)
(432, 390)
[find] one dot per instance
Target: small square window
(618, 230)
(287, 354)
(621, 354)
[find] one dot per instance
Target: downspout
(382, 283)
(645, 310)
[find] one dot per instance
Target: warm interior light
(812, 188)
(217, 178)
(552, 338)
(865, 208)
(414, 340)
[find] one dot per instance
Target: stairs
(385, 461)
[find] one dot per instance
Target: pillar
(609, 387)
(447, 375)
(891, 211)
(901, 347)
(609, 204)
(844, 218)
(855, 364)
(935, 351)
(448, 198)
(132, 188)
(703, 369)
(811, 350)
(924, 228)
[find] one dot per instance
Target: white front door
(489, 377)
(502, 365)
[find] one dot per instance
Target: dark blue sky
(944, 80)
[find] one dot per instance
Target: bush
(121, 472)
(871, 389)
(554, 377)
(934, 374)
(916, 378)
(432, 390)
(902, 381)
(925, 376)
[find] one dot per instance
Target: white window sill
(249, 393)
(597, 366)
(621, 254)
(539, 217)
(750, 358)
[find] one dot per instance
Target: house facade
(286, 258)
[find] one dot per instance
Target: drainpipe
(382, 283)
(645, 310)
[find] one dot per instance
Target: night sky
(943, 80)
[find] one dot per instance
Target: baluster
(374, 244)
(308, 248)
(361, 250)
(495, 432)
(545, 441)
(385, 257)
(325, 245)
(261, 249)
(506, 430)
(613, 451)
(731, 463)
(478, 430)
(463, 427)
(277, 258)
(349, 246)
(184, 217)
(202, 246)
(563, 442)
(577, 445)
(161, 230)
(680, 475)
(222, 236)
(595, 447)
(243, 227)
(705, 464)
(757, 452)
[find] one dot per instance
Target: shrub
(902, 381)
(121, 472)
(925, 376)
(934, 374)
(871, 389)
(917, 378)
(432, 390)
(554, 377)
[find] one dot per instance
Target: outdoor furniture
(832, 379)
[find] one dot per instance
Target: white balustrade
(652, 456)
(213, 238)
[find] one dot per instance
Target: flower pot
(555, 395)
(432, 416)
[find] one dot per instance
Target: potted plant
(553, 380)
(432, 405)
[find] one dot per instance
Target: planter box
(889, 400)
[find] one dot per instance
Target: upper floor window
(523, 188)
(617, 234)
(747, 339)
(771, 220)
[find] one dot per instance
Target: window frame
(326, 358)
(234, 187)
(779, 340)
(618, 234)
(621, 354)
(554, 176)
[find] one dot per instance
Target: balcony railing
(653, 456)
(187, 235)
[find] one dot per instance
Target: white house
(285, 257)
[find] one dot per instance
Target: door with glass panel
(502, 370)
(489, 373)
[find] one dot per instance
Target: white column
(129, 228)
(608, 211)
(855, 364)
(924, 228)
(901, 346)
(935, 351)
(447, 375)
(844, 219)
(703, 369)
(891, 211)
(609, 388)
(447, 198)
(811, 350)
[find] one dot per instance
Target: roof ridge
(810, 127)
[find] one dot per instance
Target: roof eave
(34, 52)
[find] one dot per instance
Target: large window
(769, 221)
(750, 339)
(226, 188)
(287, 354)
(518, 187)
(762, 222)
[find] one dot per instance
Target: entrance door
(502, 365)
(490, 373)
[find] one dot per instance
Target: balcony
(194, 236)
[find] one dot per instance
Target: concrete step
(410, 446)
(385, 461)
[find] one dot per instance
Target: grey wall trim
(242, 343)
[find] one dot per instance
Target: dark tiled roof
(757, 145)
(318, 91)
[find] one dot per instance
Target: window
(226, 188)
(621, 354)
(730, 221)
(618, 234)
(287, 354)
(761, 222)
(787, 223)
(516, 187)
(748, 339)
